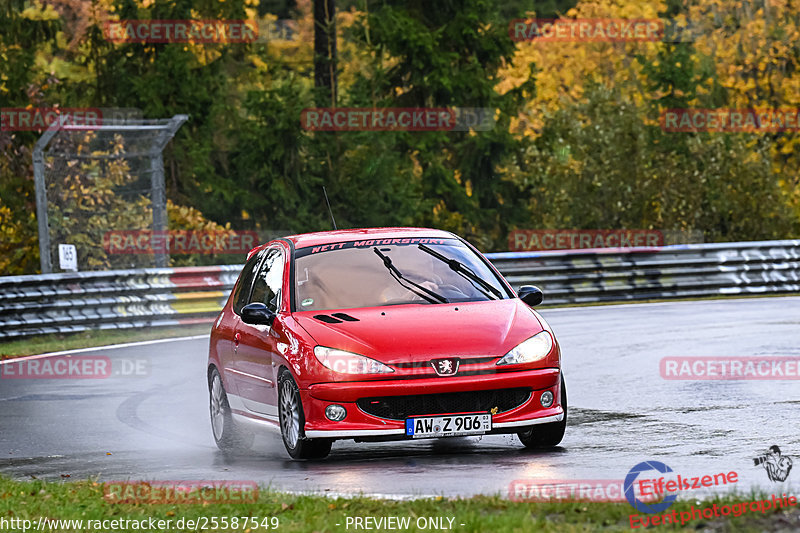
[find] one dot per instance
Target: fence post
(45, 261)
(158, 185)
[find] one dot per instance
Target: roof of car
(344, 235)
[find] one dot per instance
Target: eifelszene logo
(668, 486)
(630, 493)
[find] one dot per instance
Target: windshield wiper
(426, 293)
(465, 271)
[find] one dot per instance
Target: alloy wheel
(290, 415)
(217, 408)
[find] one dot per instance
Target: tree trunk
(325, 52)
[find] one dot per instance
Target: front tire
(228, 436)
(293, 420)
(547, 435)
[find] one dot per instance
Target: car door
(257, 344)
(228, 339)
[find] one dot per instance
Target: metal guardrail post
(159, 203)
(45, 260)
(158, 185)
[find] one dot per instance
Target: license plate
(448, 425)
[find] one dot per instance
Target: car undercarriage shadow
(459, 450)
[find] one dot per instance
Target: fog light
(337, 412)
(546, 399)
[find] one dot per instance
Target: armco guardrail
(58, 303)
(679, 271)
(118, 299)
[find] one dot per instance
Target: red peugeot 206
(381, 334)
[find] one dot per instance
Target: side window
(242, 291)
(269, 280)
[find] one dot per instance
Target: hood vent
(328, 319)
(345, 317)
(336, 318)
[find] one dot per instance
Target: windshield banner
(367, 243)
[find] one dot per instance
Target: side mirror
(257, 313)
(530, 295)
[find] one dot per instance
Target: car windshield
(371, 273)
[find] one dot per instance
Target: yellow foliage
(563, 67)
(40, 11)
(183, 217)
(754, 55)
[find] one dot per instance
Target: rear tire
(293, 421)
(227, 434)
(547, 435)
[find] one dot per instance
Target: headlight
(534, 349)
(349, 363)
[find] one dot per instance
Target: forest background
(576, 143)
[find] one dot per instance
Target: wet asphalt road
(621, 412)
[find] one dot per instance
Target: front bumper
(360, 424)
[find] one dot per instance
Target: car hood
(417, 332)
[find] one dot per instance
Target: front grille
(401, 407)
(427, 364)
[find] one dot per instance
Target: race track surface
(156, 427)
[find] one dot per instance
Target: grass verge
(85, 500)
(89, 339)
